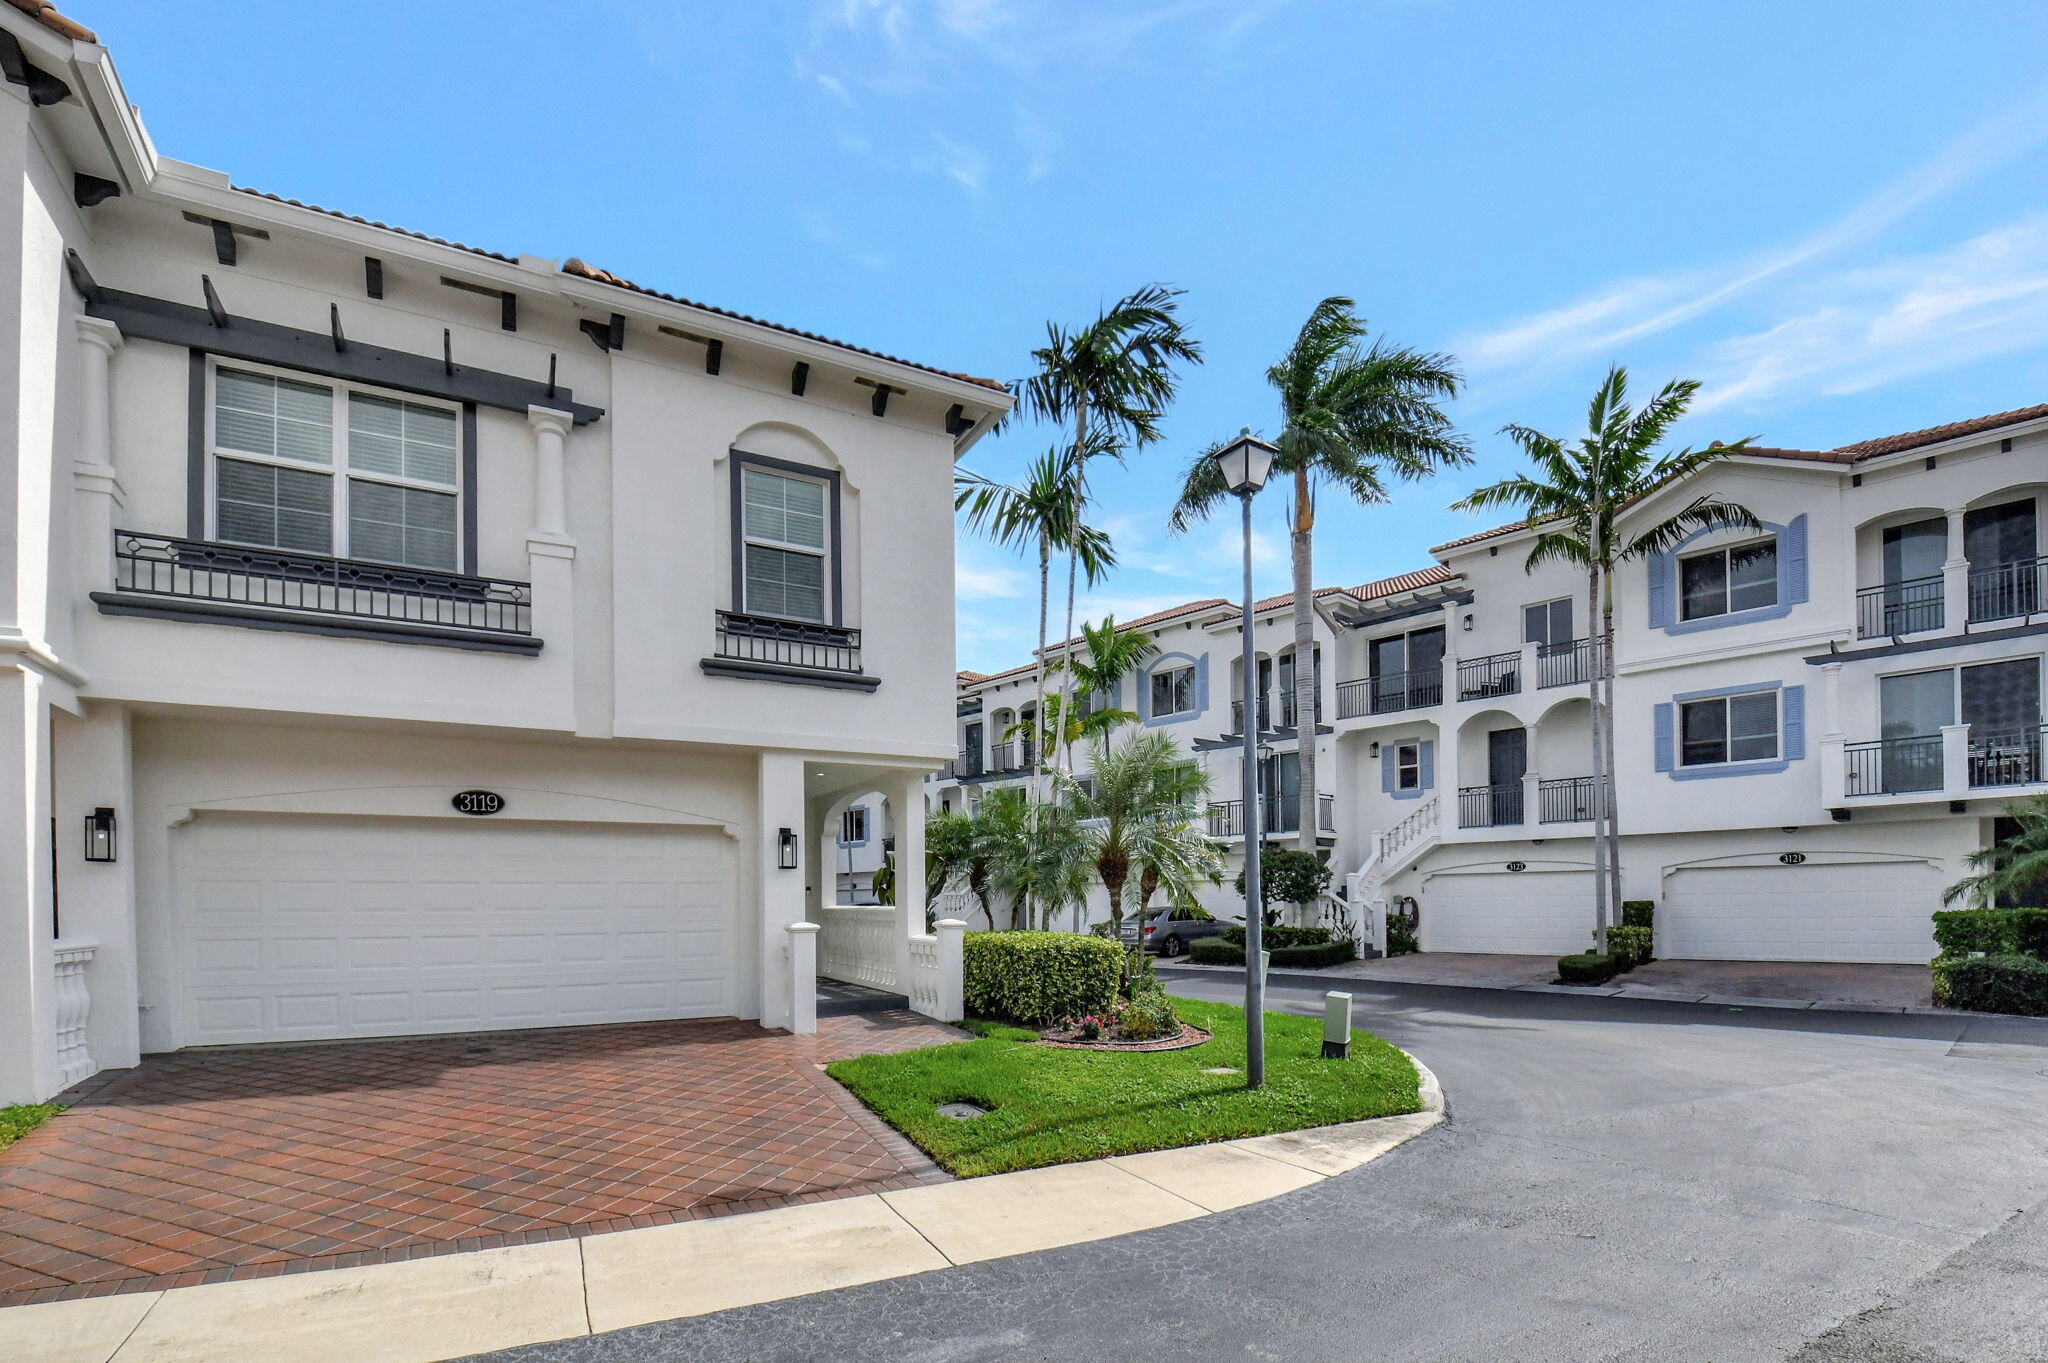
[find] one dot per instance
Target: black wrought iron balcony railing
(1016, 755)
(2009, 758)
(1567, 799)
(1287, 709)
(1499, 674)
(788, 643)
(314, 584)
(2007, 591)
(1893, 766)
(1495, 806)
(1389, 692)
(968, 763)
(1276, 815)
(1893, 608)
(1565, 664)
(1265, 716)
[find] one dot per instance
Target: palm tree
(1352, 416)
(1109, 383)
(1137, 812)
(1005, 819)
(1108, 655)
(1575, 501)
(956, 853)
(2015, 869)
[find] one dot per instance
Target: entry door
(2000, 542)
(2001, 702)
(1912, 710)
(1507, 762)
(973, 747)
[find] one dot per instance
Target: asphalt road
(1618, 1180)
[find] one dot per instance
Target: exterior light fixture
(1245, 462)
(1468, 624)
(787, 858)
(1373, 749)
(99, 835)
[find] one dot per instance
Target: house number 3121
(478, 802)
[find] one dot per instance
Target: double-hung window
(324, 468)
(853, 827)
(1408, 766)
(785, 546)
(1548, 623)
(1738, 728)
(1723, 581)
(1173, 691)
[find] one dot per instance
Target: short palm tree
(2016, 869)
(1107, 656)
(1138, 811)
(1575, 501)
(1042, 858)
(1108, 384)
(1352, 416)
(957, 856)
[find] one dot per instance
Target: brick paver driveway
(208, 1165)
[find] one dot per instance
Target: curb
(452, 1305)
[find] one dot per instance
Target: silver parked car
(1169, 930)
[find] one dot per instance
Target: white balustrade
(74, 1009)
(858, 945)
(937, 977)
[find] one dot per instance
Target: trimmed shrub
(1401, 938)
(1592, 967)
(1629, 946)
(1313, 956)
(1996, 932)
(1638, 913)
(1149, 1013)
(1288, 875)
(1273, 939)
(1992, 984)
(1039, 978)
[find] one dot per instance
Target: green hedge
(1315, 955)
(1590, 968)
(1273, 939)
(1992, 984)
(1997, 932)
(1039, 978)
(1638, 913)
(1630, 946)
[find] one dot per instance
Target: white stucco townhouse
(1816, 724)
(398, 637)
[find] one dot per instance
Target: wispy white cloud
(1601, 322)
(983, 582)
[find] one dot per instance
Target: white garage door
(1544, 913)
(305, 928)
(1861, 911)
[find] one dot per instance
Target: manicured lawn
(18, 1121)
(1050, 1106)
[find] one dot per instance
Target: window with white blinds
(322, 468)
(785, 545)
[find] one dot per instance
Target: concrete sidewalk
(454, 1305)
(1750, 984)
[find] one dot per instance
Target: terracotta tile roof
(46, 14)
(968, 678)
(579, 268)
(1841, 454)
(372, 222)
(1403, 582)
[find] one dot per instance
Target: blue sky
(1829, 213)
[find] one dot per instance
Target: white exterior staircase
(1392, 850)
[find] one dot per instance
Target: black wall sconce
(99, 835)
(787, 857)
(1372, 750)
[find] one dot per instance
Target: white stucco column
(1955, 761)
(95, 476)
(802, 958)
(550, 498)
(92, 763)
(1955, 576)
(28, 999)
(1834, 761)
(779, 804)
(550, 551)
(906, 808)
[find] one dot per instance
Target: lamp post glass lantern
(1245, 463)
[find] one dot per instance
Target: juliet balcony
(770, 648)
(166, 577)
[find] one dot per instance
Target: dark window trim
(157, 319)
(195, 448)
(835, 559)
(468, 480)
(1987, 636)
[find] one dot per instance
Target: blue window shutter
(1664, 738)
(1428, 764)
(1795, 723)
(1390, 771)
(1144, 705)
(1658, 571)
(1792, 562)
(1202, 684)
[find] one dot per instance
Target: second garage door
(1544, 913)
(305, 928)
(1856, 911)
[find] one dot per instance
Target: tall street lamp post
(1244, 464)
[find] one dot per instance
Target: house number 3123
(478, 802)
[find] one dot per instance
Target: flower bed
(1070, 1039)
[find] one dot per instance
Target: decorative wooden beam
(213, 303)
(223, 242)
(42, 87)
(879, 404)
(88, 191)
(714, 349)
(373, 276)
(334, 325)
(81, 278)
(447, 352)
(957, 423)
(605, 335)
(799, 378)
(508, 302)
(551, 373)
